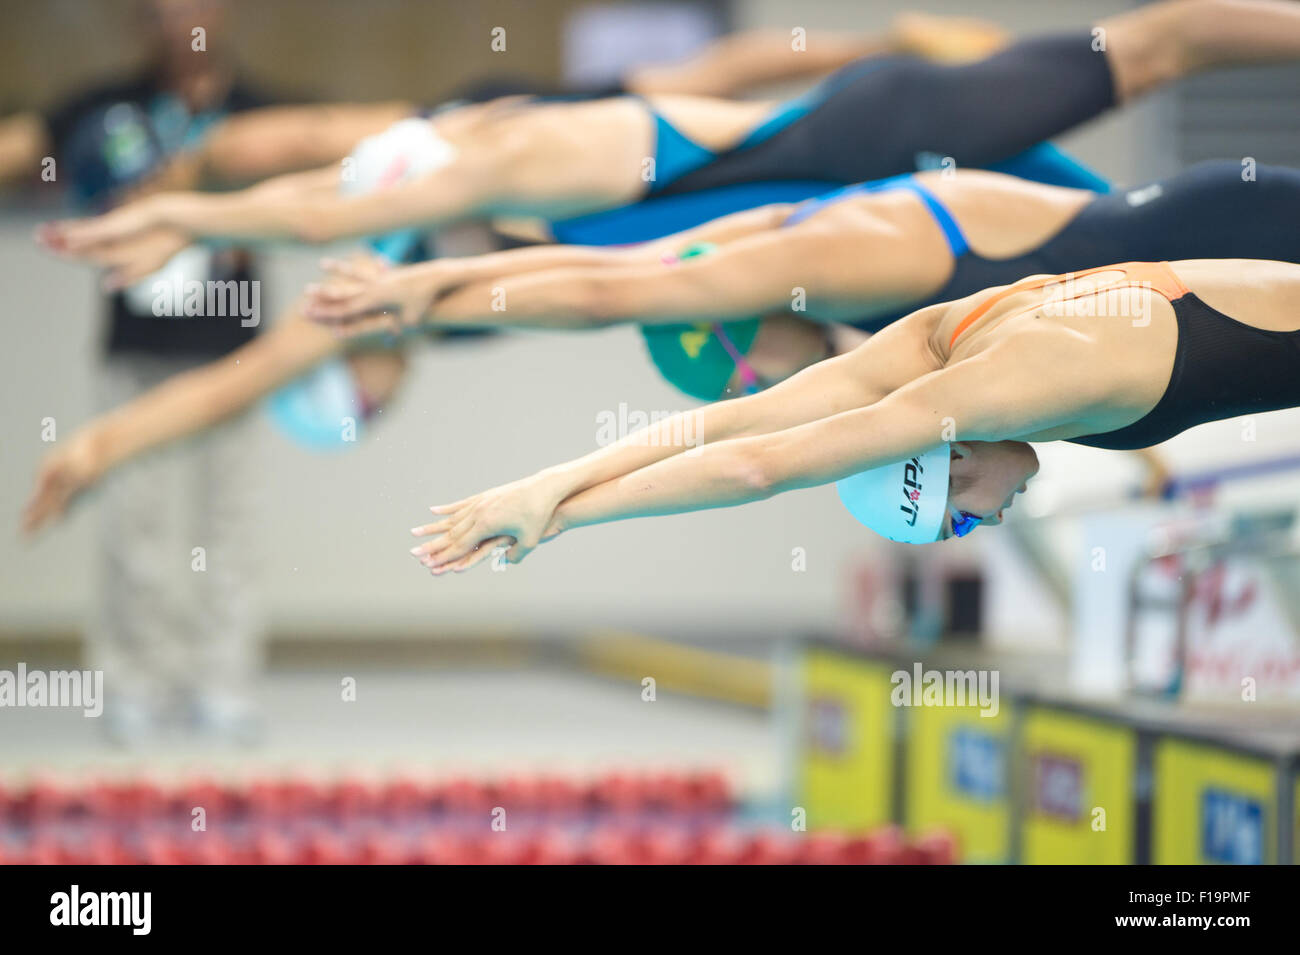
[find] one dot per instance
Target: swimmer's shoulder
(966, 326)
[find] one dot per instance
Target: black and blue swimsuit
(884, 116)
(1210, 211)
(876, 118)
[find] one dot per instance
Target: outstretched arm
(140, 236)
(244, 147)
(991, 396)
(756, 270)
(466, 289)
(181, 406)
(887, 361)
(255, 144)
(995, 395)
(884, 363)
(305, 207)
(274, 209)
(721, 474)
(743, 278)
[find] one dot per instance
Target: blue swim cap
(906, 501)
(322, 410)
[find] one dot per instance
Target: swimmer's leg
(1157, 44)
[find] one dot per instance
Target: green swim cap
(690, 355)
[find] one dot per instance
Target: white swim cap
(147, 297)
(408, 149)
(905, 502)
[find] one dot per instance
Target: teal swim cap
(691, 356)
(906, 501)
(322, 410)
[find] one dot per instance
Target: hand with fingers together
(78, 238)
(65, 473)
(517, 516)
(365, 294)
(127, 261)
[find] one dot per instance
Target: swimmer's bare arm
(183, 405)
(279, 208)
(976, 399)
(304, 207)
(450, 194)
(245, 147)
(971, 400)
(887, 361)
(744, 278)
(355, 290)
(741, 470)
(719, 231)
(196, 399)
(758, 274)
(719, 474)
(140, 236)
(992, 396)
(255, 144)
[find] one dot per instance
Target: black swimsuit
(1222, 367)
(1207, 212)
(883, 116)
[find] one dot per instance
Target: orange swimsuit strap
(1158, 276)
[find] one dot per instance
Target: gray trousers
(175, 612)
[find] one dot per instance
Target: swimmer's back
(1257, 293)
